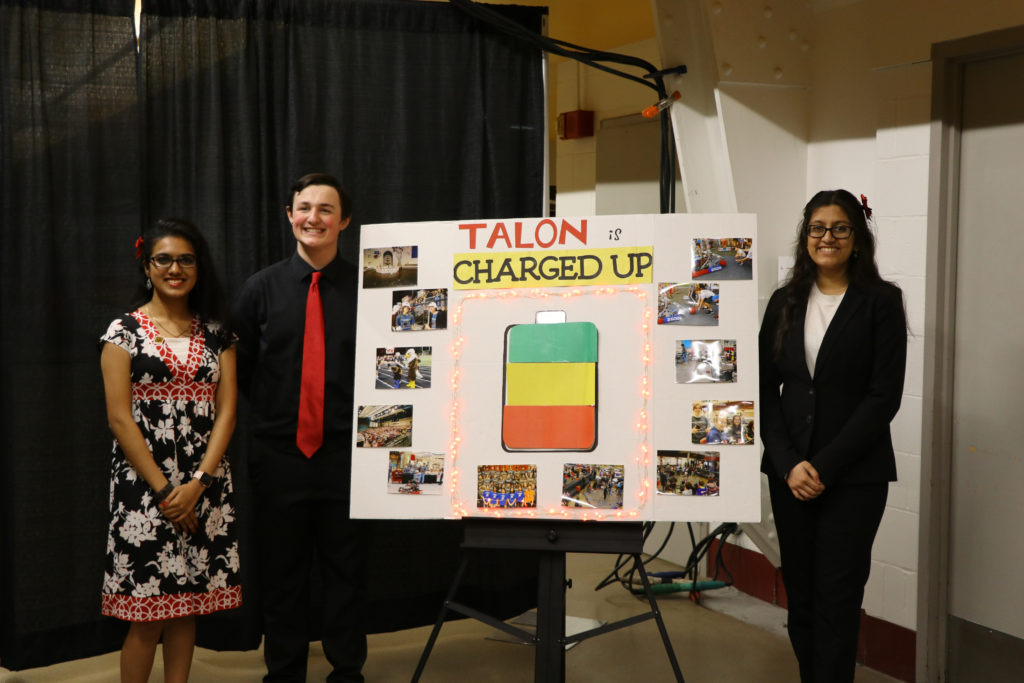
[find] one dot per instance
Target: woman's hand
(189, 524)
(179, 505)
(803, 481)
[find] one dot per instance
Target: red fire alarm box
(575, 124)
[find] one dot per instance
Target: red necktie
(310, 434)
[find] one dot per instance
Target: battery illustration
(550, 387)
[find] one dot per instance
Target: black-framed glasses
(839, 232)
(165, 260)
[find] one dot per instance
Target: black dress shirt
(270, 317)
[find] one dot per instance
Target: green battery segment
(550, 398)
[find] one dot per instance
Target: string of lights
(642, 450)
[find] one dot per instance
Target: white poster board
(469, 403)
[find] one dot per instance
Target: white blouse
(821, 308)
(179, 346)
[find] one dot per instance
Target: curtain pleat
(69, 212)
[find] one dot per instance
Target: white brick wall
(901, 253)
(868, 132)
(901, 204)
(892, 170)
(905, 494)
(899, 594)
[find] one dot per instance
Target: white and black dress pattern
(153, 571)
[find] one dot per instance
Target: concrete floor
(730, 637)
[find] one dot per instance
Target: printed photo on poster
(688, 303)
(388, 426)
(723, 422)
(506, 486)
(415, 473)
(390, 266)
(729, 258)
(592, 486)
(419, 309)
(404, 367)
(688, 473)
(701, 361)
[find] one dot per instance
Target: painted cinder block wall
(821, 94)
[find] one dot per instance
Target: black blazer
(838, 421)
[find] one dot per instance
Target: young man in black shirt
(301, 482)
(699, 424)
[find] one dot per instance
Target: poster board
(549, 368)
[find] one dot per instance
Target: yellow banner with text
(565, 268)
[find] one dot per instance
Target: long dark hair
(861, 269)
(207, 298)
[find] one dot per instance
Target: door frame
(948, 62)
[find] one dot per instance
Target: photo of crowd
(390, 266)
(592, 486)
(701, 361)
(722, 422)
(506, 486)
(384, 426)
(686, 473)
(688, 303)
(729, 258)
(423, 309)
(415, 473)
(404, 367)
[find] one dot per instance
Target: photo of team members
(700, 361)
(592, 486)
(686, 303)
(730, 258)
(686, 473)
(722, 422)
(415, 473)
(404, 367)
(390, 266)
(506, 486)
(423, 309)
(384, 426)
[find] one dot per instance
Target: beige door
(986, 594)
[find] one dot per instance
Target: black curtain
(423, 113)
(69, 207)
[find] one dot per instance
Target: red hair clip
(867, 209)
(138, 246)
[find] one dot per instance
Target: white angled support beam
(684, 37)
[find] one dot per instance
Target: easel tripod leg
(639, 565)
(440, 619)
(549, 658)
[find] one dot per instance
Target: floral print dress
(153, 571)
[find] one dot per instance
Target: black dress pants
(825, 545)
(302, 514)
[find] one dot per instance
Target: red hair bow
(867, 209)
(138, 246)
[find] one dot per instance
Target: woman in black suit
(834, 338)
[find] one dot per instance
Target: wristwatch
(204, 478)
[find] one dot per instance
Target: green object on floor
(681, 586)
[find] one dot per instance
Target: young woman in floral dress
(169, 380)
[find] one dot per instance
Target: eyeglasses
(839, 232)
(165, 260)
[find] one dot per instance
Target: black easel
(552, 540)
